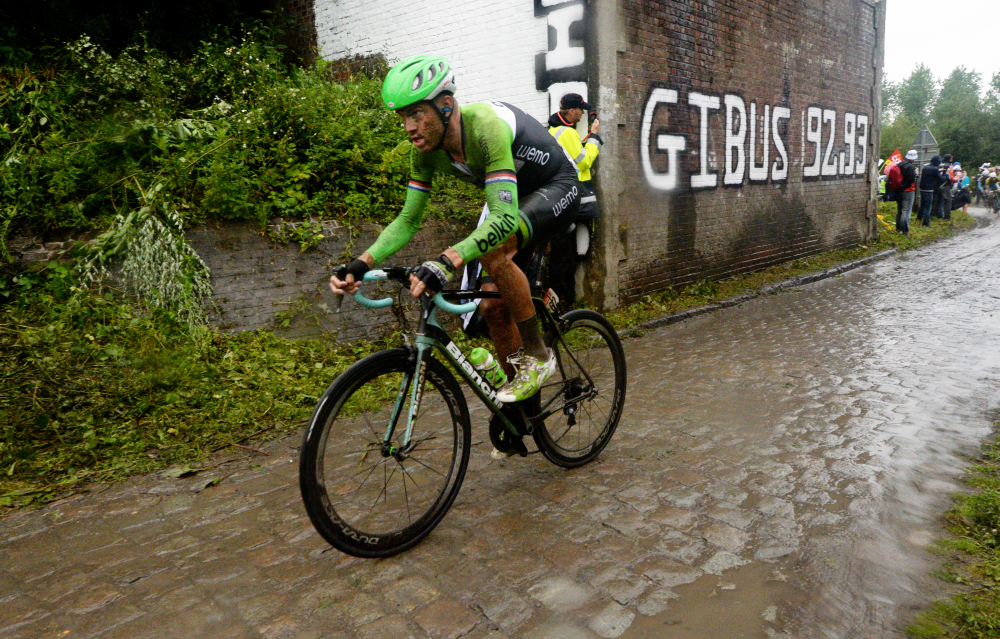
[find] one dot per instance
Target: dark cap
(573, 101)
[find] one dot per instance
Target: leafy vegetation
(133, 147)
(94, 390)
(973, 553)
(229, 133)
(965, 124)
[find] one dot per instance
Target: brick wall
(260, 284)
(686, 184)
(299, 23)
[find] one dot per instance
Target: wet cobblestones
(787, 458)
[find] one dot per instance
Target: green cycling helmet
(422, 77)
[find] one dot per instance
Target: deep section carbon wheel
(370, 496)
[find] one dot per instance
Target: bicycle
(993, 200)
(383, 458)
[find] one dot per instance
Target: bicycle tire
(348, 427)
(574, 440)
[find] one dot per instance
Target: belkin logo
(531, 154)
(473, 373)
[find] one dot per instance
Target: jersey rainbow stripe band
(498, 177)
(423, 187)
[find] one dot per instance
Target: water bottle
(488, 367)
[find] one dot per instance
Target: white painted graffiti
(563, 68)
(755, 136)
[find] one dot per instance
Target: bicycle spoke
(385, 486)
(426, 466)
(373, 469)
(406, 494)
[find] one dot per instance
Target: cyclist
(532, 194)
(993, 191)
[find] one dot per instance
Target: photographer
(562, 125)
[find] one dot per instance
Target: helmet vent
(432, 72)
(418, 81)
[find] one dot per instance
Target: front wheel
(589, 383)
(371, 494)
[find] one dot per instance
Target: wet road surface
(779, 471)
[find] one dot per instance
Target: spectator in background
(961, 197)
(562, 126)
(944, 191)
(984, 173)
(991, 187)
(902, 180)
(930, 180)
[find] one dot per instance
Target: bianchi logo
(473, 373)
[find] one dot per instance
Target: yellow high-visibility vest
(583, 155)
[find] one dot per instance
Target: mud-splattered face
(423, 125)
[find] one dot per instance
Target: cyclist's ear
(446, 105)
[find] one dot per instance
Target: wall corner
(605, 43)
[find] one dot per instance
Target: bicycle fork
(416, 393)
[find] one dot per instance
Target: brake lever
(340, 296)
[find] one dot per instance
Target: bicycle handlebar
(379, 274)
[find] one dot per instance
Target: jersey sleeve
(407, 223)
(583, 155)
(494, 139)
(591, 149)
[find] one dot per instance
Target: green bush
(94, 390)
(232, 133)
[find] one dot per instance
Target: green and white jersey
(507, 152)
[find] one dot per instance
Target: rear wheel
(370, 497)
(590, 381)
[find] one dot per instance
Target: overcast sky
(942, 35)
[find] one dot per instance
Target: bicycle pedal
(503, 441)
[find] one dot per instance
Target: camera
(591, 116)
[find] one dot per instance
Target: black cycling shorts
(547, 212)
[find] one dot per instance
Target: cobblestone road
(778, 472)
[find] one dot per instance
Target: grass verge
(94, 391)
(707, 292)
(973, 559)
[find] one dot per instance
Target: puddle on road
(749, 602)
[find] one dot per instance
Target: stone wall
(260, 284)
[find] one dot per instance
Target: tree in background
(917, 94)
(908, 108)
(964, 123)
(992, 107)
(960, 123)
(897, 132)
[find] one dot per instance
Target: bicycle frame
(430, 336)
